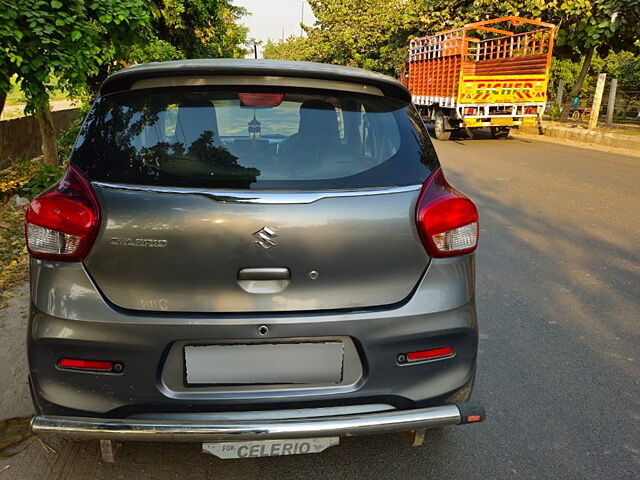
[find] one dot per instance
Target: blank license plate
(502, 121)
(269, 448)
(273, 363)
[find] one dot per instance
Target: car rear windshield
(253, 139)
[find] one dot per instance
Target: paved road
(559, 301)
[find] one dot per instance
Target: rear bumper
(69, 319)
(500, 121)
(344, 425)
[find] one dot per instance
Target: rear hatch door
(213, 201)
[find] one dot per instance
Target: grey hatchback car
(262, 256)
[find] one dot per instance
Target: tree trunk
(575, 91)
(3, 98)
(48, 134)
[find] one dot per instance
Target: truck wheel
(440, 127)
(475, 132)
(500, 132)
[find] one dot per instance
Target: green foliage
(566, 70)
(375, 33)
(372, 34)
(554, 113)
(69, 40)
(154, 51)
(9, 45)
(625, 66)
(606, 24)
(28, 178)
(200, 28)
(80, 42)
(67, 137)
(43, 177)
(293, 48)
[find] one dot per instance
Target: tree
(80, 42)
(200, 28)
(375, 33)
(9, 37)
(180, 29)
(584, 27)
(66, 40)
(293, 48)
(603, 25)
(372, 34)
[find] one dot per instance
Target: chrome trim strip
(262, 196)
(156, 430)
(247, 80)
(257, 415)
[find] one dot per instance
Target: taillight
(446, 219)
(62, 223)
(469, 111)
(530, 110)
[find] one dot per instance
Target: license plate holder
(269, 448)
(502, 121)
(306, 362)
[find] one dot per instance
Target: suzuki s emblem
(265, 238)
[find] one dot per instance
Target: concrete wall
(20, 137)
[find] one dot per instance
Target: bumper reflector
(431, 354)
(78, 364)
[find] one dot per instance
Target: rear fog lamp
(90, 365)
(423, 355)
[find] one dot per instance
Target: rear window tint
(213, 138)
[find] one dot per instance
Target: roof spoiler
(125, 79)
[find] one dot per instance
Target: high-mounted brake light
(62, 223)
(261, 99)
(446, 219)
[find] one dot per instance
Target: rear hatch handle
(264, 280)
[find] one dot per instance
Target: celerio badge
(265, 238)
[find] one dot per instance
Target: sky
(270, 18)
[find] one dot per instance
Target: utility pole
(301, 17)
(612, 100)
(597, 100)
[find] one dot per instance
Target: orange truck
(492, 74)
